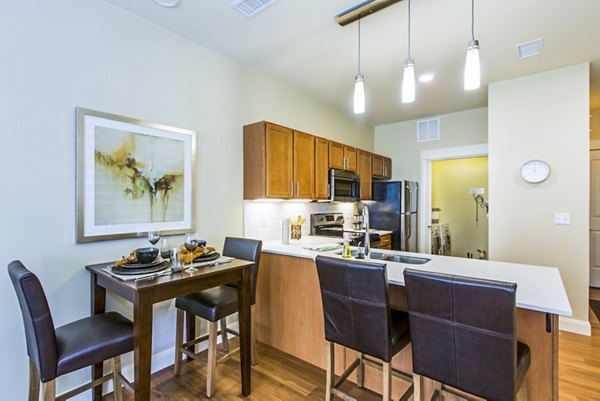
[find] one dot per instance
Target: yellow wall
(450, 183)
(543, 116)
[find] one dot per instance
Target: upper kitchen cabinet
(342, 157)
(382, 167)
(321, 168)
(278, 162)
(365, 171)
(268, 161)
(304, 166)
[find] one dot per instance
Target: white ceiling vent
(530, 49)
(251, 7)
(428, 130)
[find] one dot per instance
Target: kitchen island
(289, 313)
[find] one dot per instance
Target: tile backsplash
(262, 220)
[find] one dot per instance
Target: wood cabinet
(364, 169)
(385, 241)
(278, 162)
(321, 168)
(304, 166)
(382, 167)
(342, 157)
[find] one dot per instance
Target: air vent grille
(530, 49)
(251, 7)
(428, 130)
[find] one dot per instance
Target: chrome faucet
(365, 215)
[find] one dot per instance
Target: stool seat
(92, 340)
(212, 304)
(523, 362)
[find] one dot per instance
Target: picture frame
(133, 176)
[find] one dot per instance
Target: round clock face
(535, 171)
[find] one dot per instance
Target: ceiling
(299, 43)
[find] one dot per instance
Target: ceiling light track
(362, 10)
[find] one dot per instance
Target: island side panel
(289, 311)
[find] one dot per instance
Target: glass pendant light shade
(472, 69)
(408, 82)
(359, 94)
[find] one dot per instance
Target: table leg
(190, 332)
(98, 306)
(142, 347)
(244, 319)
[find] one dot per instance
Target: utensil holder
(296, 231)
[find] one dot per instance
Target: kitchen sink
(390, 257)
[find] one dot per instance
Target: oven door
(344, 186)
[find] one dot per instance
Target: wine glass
(191, 243)
(153, 236)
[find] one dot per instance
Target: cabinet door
(387, 168)
(336, 155)
(304, 165)
(321, 168)
(377, 166)
(365, 172)
(350, 155)
(279, 174)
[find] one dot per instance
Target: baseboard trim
(576, 326)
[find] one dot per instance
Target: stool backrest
(37, 319)
(356, 305)
(463, 332)
(247, 249)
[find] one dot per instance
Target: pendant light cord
(409, 29)
(472, 19)
(359, 45)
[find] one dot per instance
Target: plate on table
(156, 262)
(128, 270)
(207, 257)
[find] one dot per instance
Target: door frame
(428, 156)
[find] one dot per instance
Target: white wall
(66, 53)
(542, 116)
(399, 140)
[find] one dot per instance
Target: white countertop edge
(532, 281)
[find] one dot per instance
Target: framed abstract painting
(132, 176)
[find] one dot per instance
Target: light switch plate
(562, 218)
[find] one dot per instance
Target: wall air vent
(428, 130)
(251, 7)
(530, 49)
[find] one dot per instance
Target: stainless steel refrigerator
(395, 208)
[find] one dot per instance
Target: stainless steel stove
(332, 225)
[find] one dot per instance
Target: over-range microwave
(344, 186)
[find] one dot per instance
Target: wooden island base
(289, 317)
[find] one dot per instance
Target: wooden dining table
(145, 293)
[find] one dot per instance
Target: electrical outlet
(562, 218)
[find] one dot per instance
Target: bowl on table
(146, 255)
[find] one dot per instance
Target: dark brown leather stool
(214, 305)
(55, 352)
(357, 315)
(463, 335)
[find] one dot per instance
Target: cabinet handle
(292, 192)
(297, 188)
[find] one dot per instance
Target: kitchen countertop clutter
(538, 288)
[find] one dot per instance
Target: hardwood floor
(280, 377)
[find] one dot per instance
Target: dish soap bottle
(346, 253)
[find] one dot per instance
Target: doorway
(425, 202)
(459, 193)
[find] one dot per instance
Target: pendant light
(408, 79)
(359, 84)
(472, 69)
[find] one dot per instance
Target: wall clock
(535, 171)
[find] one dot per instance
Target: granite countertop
(538, 288)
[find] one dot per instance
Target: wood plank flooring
(281, 377)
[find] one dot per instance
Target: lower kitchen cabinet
(385, 241)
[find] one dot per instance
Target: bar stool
(463, 335)
(214, 305)
(357, 315)
(55, 352)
